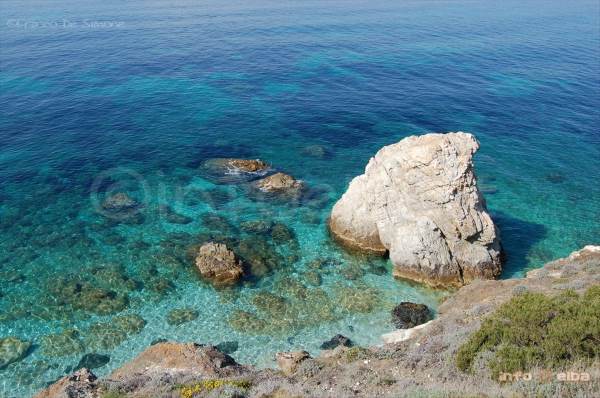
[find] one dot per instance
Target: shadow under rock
(518, 238)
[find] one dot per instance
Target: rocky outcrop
(279, 183)
(232, 170)
(81, 384)
(289, 361)
(236, 165)
(413, 362)
(218, 264)
(418, 201)
(173, 358)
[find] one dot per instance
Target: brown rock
(279, 182)
(218, 264)
(173, 357)
(236, 165)
(289, 361)
(81, 384)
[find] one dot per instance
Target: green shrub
(534, 330)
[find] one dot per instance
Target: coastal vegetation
(534, 330)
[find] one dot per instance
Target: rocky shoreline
(413, 362)
(417, 202)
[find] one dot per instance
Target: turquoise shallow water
(134, 96)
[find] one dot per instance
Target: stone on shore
(407, 315)
(201, 360)
(218, 264)
(288, 361)
(418, 201)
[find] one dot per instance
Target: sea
(106, 97)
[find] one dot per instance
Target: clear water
(139, 100)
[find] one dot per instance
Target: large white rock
(418, 201)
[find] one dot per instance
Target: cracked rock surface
(418, 201)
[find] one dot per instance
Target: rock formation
(278, 183)
(170, 357)
(218, 264)
(418, 201)
(233, 171)
(236, 165)
(81, 384)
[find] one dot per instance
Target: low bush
(534, 330)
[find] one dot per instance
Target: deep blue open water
(101, 97)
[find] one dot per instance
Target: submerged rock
(282, 233)
(269, 303)
(113, 277)
(407, 315)
(107, 335)
(92, 361)
(130, 324)
(256, 226)
(83, 295)
(279, 183)
(179, 316)
(360, 298)
(247, 322)
(260, 255)
(556, 178)
(12, 349)
(337, 340)
(119, 203)
(171, 216)
(218, 223)
(218, 264)
(316, 151)
(215, 197)
(418, 200)
(68, 342)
